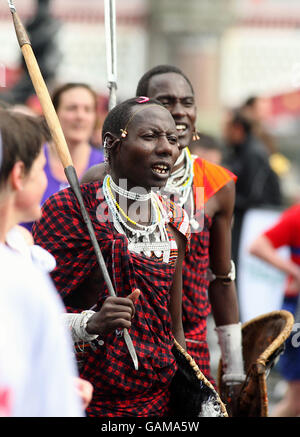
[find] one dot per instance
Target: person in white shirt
(37, 370)
(38, 376)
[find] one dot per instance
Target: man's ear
(17, 176)
(110, 140)
(111, 143)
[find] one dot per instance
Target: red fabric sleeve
(281, 234)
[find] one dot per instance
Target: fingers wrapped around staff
(115, 313)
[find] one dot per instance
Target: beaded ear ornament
(141, 99)
(195, 136)
(106, 148)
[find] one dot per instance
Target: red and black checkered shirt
(195, 283)
(119, 389)
(195, 303)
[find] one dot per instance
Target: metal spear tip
(11, 6)
(131, 348)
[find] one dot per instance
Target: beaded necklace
(129, 194)
(149, 239)
(181, 180)
(181, 183)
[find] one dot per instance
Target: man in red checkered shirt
(143, 243)
(210, 227)
(211, 235)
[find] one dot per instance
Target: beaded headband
(141, 99)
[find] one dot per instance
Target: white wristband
(77, 323)
(230, 341)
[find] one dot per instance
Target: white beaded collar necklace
(181, 183)
(141, 239)
(129, 194)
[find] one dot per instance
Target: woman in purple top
(76, 107)
(54, 184)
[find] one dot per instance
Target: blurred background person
(257, 184)
(76, 107)
(250, 109)
(37, 370)
(285, 232)
(207, 147)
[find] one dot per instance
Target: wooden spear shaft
(62, 150)
(42, 92)
(56, 131)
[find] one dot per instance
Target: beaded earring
(106, 154)
(195, 135)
